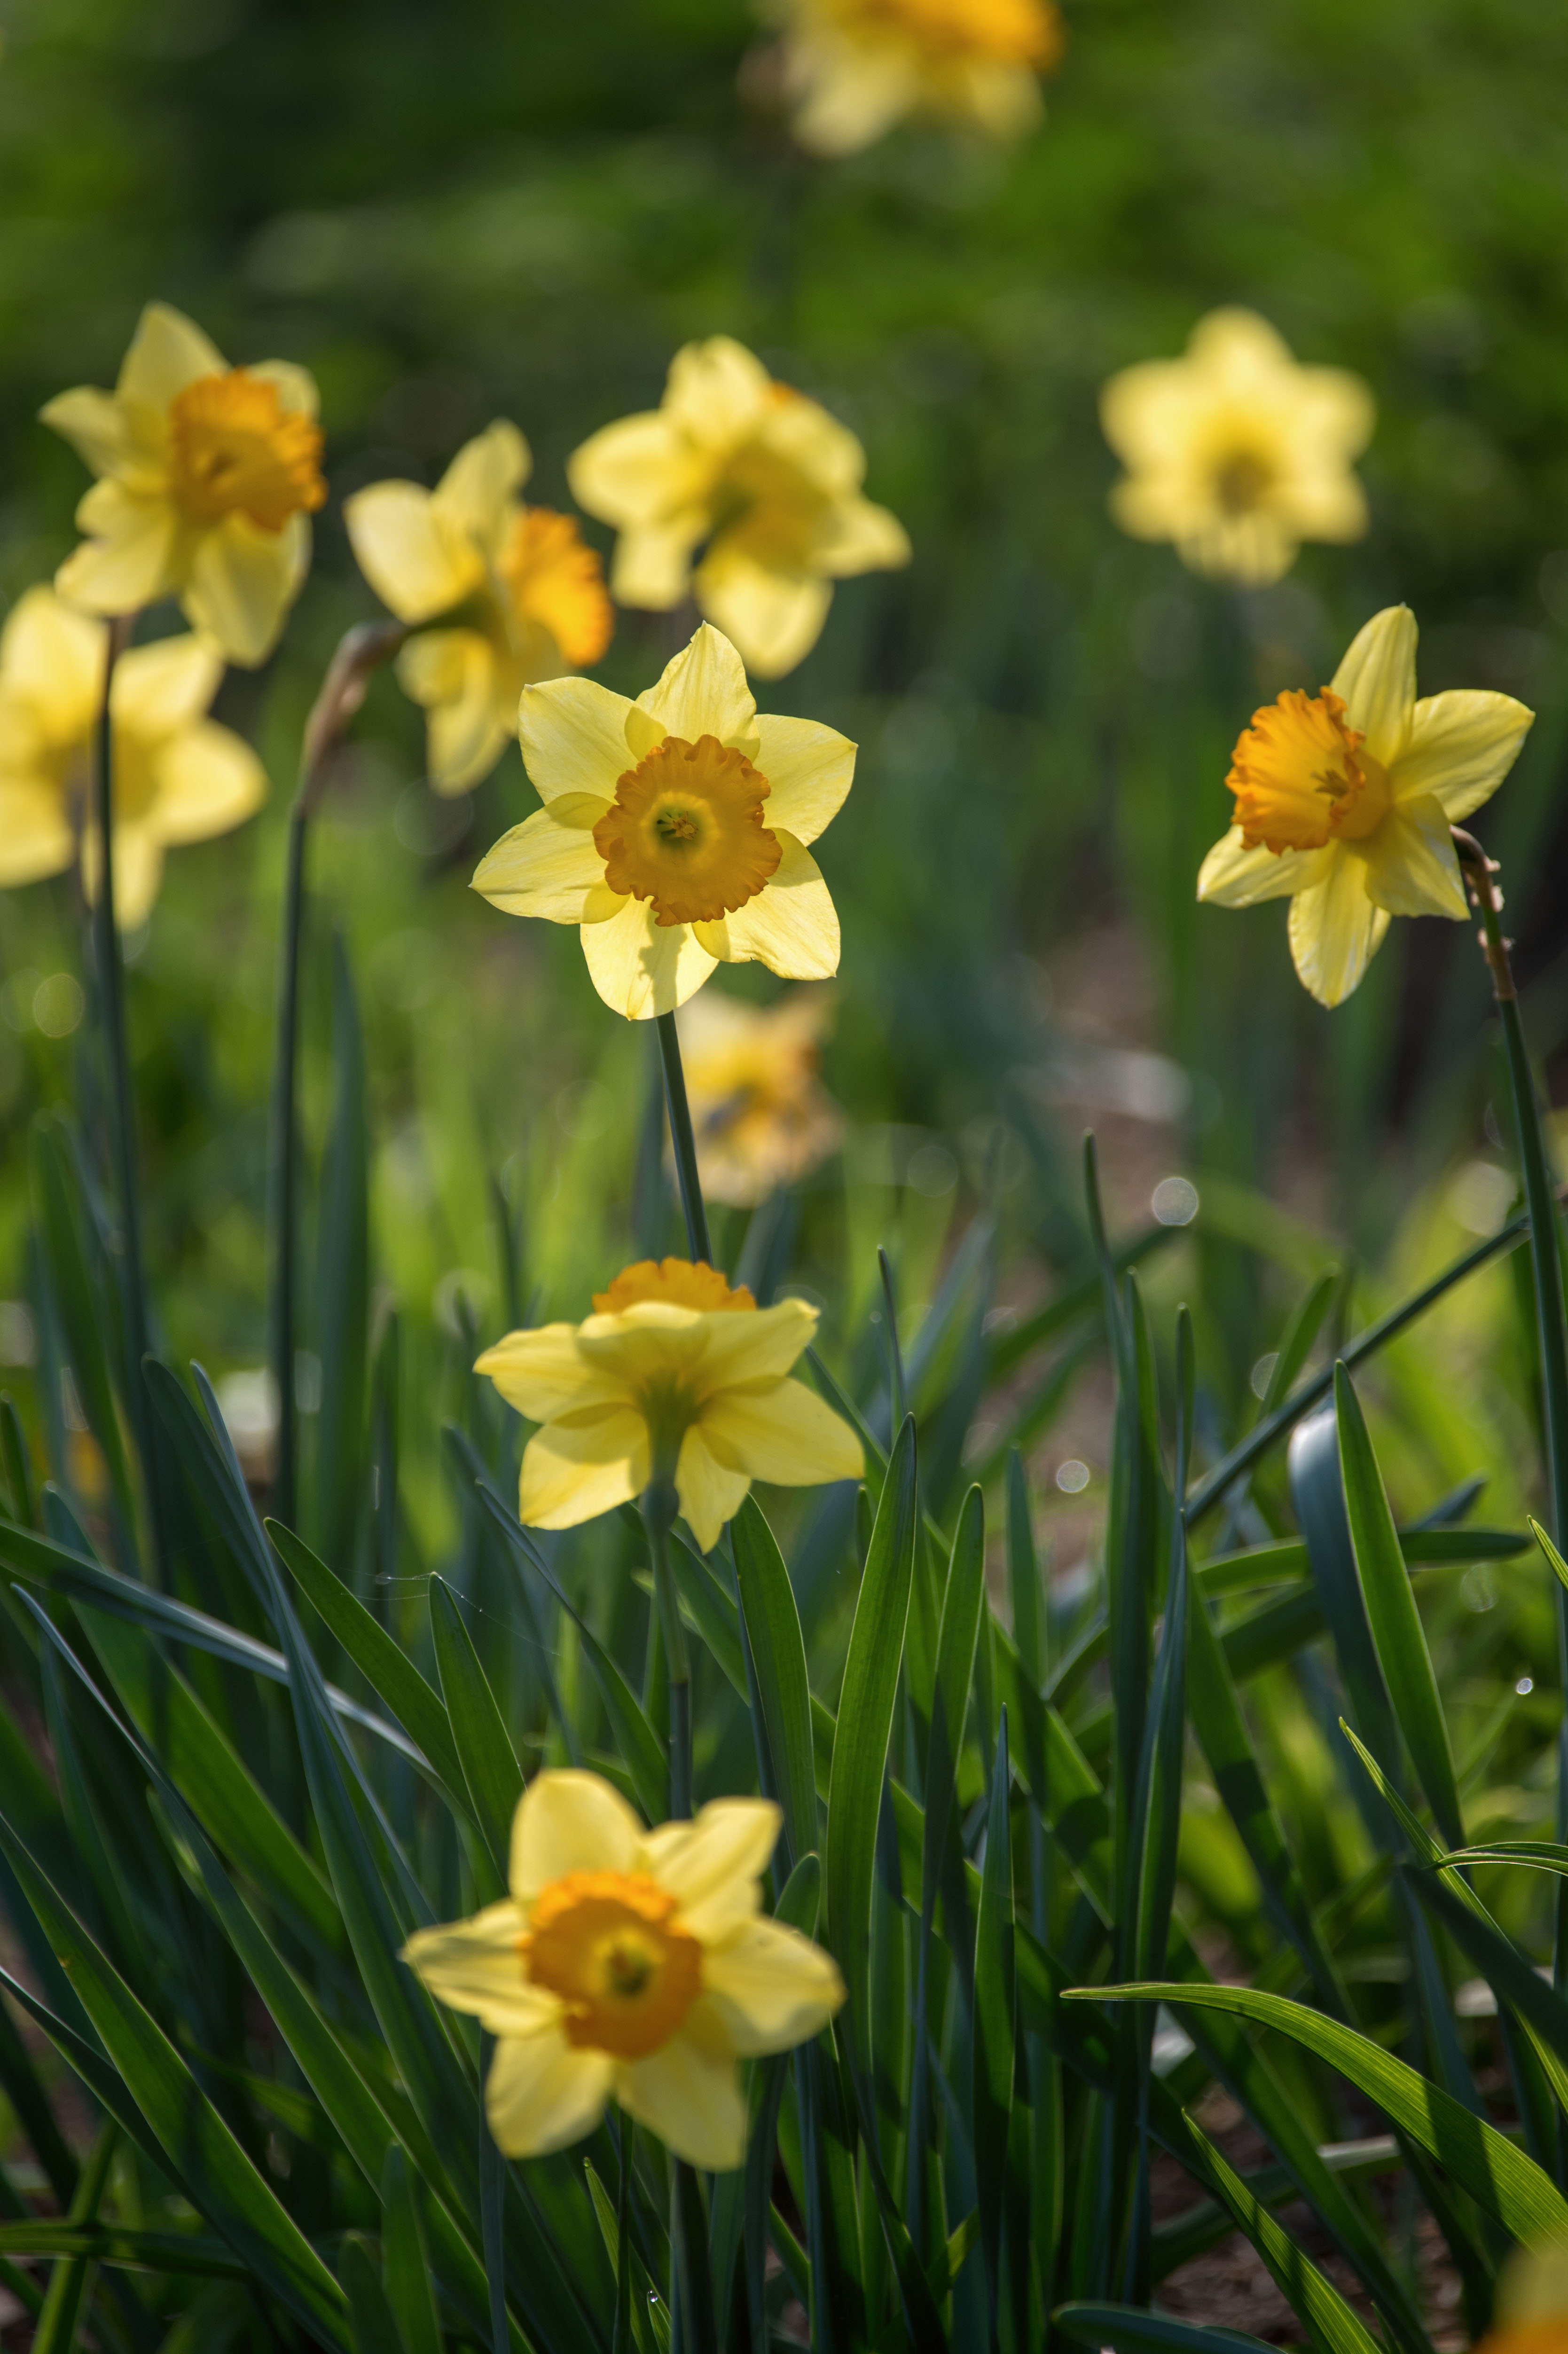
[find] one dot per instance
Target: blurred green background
(455, 213)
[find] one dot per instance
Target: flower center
(1302, 779)
(685, 832)
(1241, 482)
(605, 1943)
(236, 450)
(1017, 32)
(548, 577)
(765, 504)
(676, 1281)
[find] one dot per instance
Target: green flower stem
(684, 1141)
(343, 690)
(111, 975)
(659, 1506)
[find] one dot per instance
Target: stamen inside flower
(605, 1941)
(675, 1281)
(1302, 778)
(233, 449)
(685, 832)
(1243, 480)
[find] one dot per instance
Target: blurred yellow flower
(206, 475)
(854, 68)
(1531, 2315)
(527, 597)
(761, 1116)
(631, 1965)
(177, 776)
(673, 1375)
(760, 478)
(674, 830)
(1237, 452)
(1344, 802)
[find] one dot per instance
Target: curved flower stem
(111, 977)
(682, 1140)
(343, 690)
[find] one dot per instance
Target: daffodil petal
(474, 494)
(474, 1966)
(168, 352)
(417, 560)
(209, 780)
(544, 866)
(1462, 745)
(704, 691)
(543, 2094)
(652, 567)
(775, 617)
(792, 926)
(568, 1820)
(573, 733)
(1232, 875)
(36, 838)
(713, 1350)
(125, 563)
(165, 686)
(784, 1433)
(714, 1863)
(242, 581)
(93, 422)
(771, 1987)
(1412, 868)
(641, 471)
(691, 2099)
(53, 659)
(573, 1471)
(455, 674)
(711, 1492)
(716, 391)
(542, 1372)
(296, 388)
(864, 537)
(1377, 681)
(809, 769)
(1335, 931)
(640, 967)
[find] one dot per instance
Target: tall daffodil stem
(681, 1139)
(343, 690)
(111, 977)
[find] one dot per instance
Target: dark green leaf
(491, 1774)
(779, 1655)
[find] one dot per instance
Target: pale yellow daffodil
(755, 475)
(852, 69)
(673, 1375)
(1237, 452)
(674, 830)
(177, 775)
(525, 597)
(1345, 801)
(206, 475)
(761, 1115)
(1531, 2311)
(630, 1965)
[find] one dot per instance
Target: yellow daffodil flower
(1344, 802)
(1531, 2315)
(527, 597)
(206, 476)
(760, 478)
(674, 830)
(672, 1376)
(854, 68)
(178, 776)
(761, 1116)
(1237, 452)
(631, 1965)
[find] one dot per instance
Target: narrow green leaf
(342, 1293)
(370, 2318)
(865, 1723)
(990, 2106)
(490, 1772)
(85, 1311)
(779, 1655)
(18, 1462)
(56, 2332)
(1397, 1634)
(1331, 2325)
(957, 1642)
(1317, 1486)
(1500, 2178)
(1131, 2330)
(1024, 1589)
(405, 2260)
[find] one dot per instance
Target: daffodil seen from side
(675, 829)
(207, 476)
(760, 1114)
(853, 69)
(1345, 801)
(516, 594)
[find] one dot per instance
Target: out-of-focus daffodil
(854, 68)
(760, 480)
(1237, 452)
(206, 476)
(177, 775)
(674, 830)
(1344, 802)
(761, 1116)
(629, 1964)
(673, 1376)
(1532, 2316)
(527, 597)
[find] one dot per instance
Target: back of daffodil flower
(674, 830)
